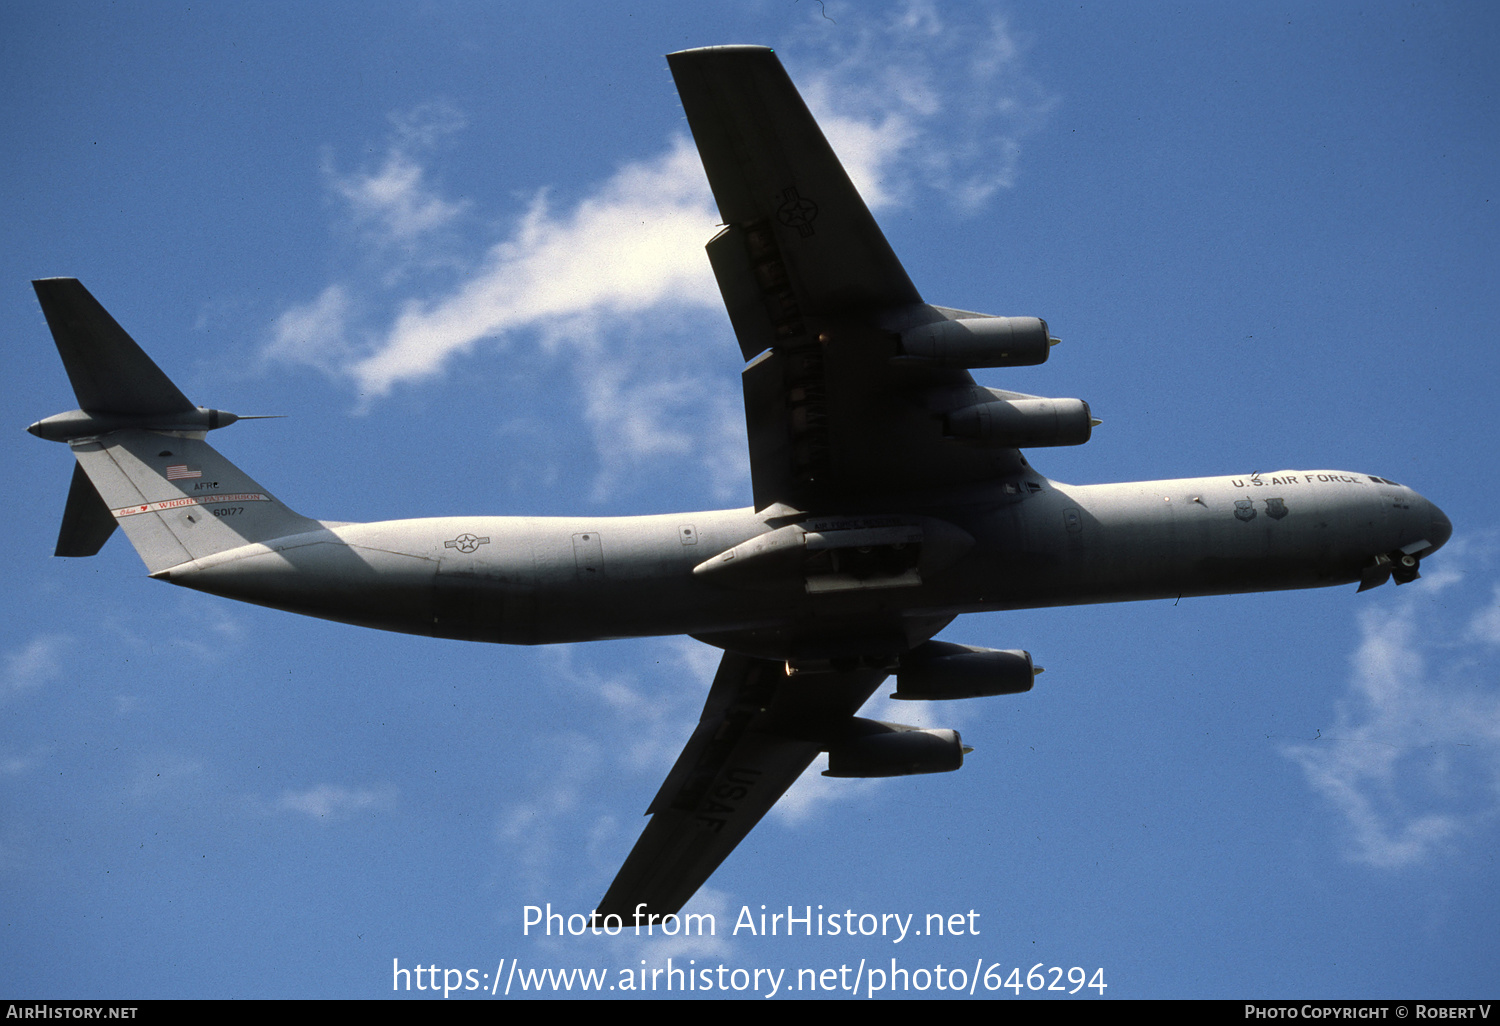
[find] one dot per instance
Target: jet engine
(878, 749)
(941, 670)
(1021, 423)
(979, 342)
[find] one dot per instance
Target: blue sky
(460, 245)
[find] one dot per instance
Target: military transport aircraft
(890, 495)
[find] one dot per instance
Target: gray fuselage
(532, 580)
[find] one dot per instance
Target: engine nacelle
(892, 750)
(1022, 423)
(980, 342)
(941, 670)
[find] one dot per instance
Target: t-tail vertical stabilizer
(142, 462)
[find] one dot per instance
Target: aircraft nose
(1439, 527)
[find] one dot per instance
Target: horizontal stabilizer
(109, 372)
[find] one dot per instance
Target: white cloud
(805, 800)
(657, 715)
(392, 205)
(315, 333)
(1412, 758)
(647, 727)
(1485, 624)
(32, 665)
(16, 765)
(211, 633)
(636, 243)
(618, 281)
(649, 397)
(396, 197)
(332, 802)
(531, 829)
(925, 98)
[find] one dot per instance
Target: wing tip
(44, 286)
(725, 50)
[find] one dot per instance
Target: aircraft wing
(817, 299)
(838, 419)
(758, 732)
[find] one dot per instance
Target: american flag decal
(182, 472)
